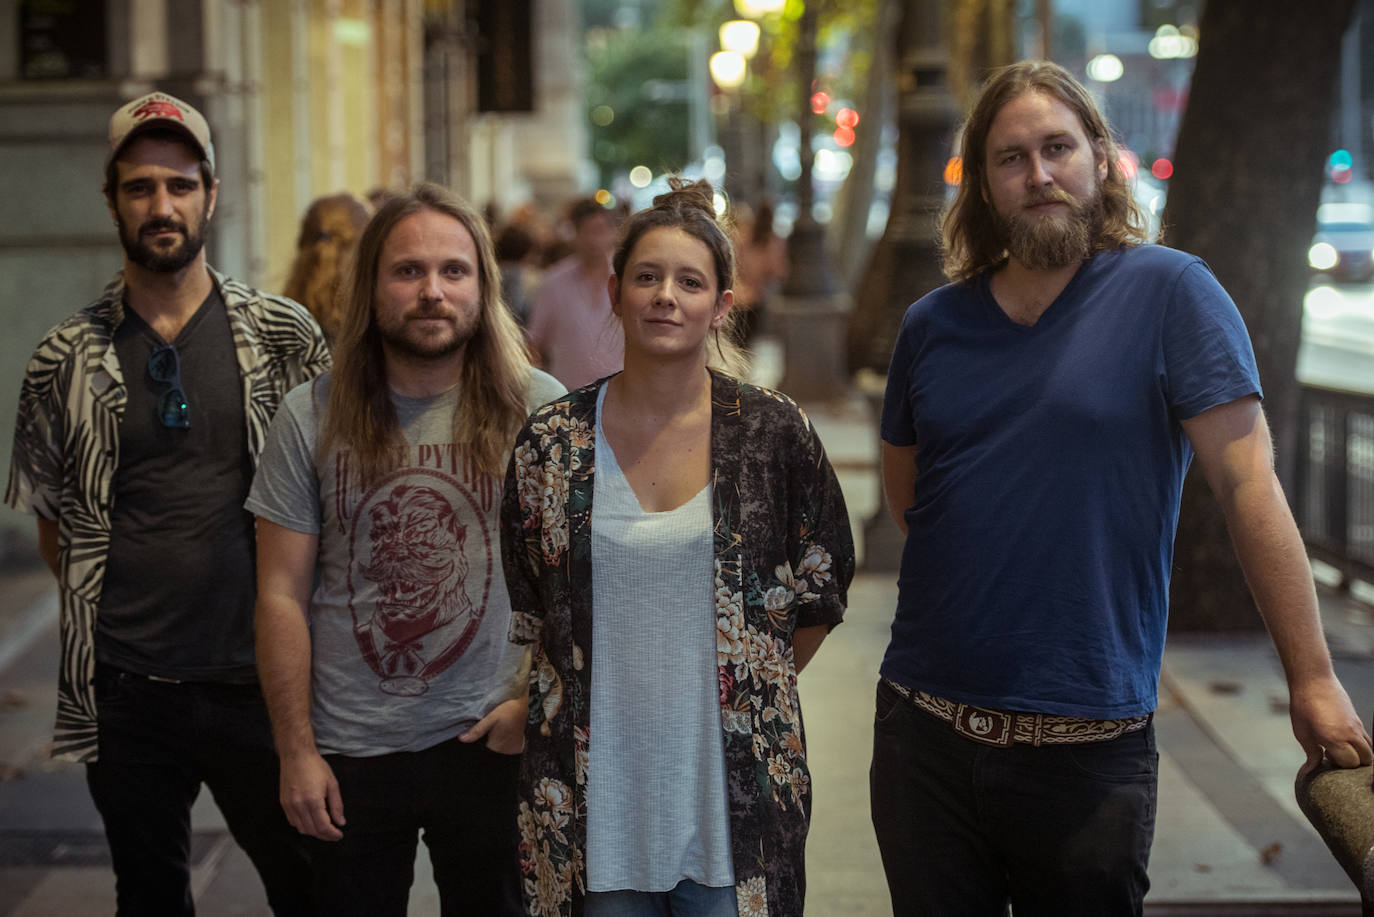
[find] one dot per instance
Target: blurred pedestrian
(398, 703)
(324, 252)
(1041, 412)
(517, 251)
(378, 197)
(762, 268)
(677, 547)
(139, 423)
(570, 325)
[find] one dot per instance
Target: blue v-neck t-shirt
(1050, 463)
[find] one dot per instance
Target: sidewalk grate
(77, 848)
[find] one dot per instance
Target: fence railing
(1333, 497)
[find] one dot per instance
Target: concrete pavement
(1229, 838)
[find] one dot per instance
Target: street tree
(1247, 180)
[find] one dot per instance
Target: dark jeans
(158, 743)
(964, 827)
(461, 796)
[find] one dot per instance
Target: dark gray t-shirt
(409, 615)
(179, 581)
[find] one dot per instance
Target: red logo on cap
(157, 109)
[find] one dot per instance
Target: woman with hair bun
(665, 770)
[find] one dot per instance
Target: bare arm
(47, 543)
(286, 566)
(899, 480)
(1236, 456)
(805, 642)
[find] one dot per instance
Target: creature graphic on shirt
(417, 600)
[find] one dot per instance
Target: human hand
(310, 796)
(503, 727)
(1325, 722)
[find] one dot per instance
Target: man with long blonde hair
(397, 703)
(1041, 412)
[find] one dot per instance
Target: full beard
(1053, 241)
(403, 339)
(162, 260)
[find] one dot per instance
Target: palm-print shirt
(784, 557)
(66, 450)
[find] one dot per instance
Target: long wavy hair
(690, 207)
(969, 240)
(496, 367)
(328, 237)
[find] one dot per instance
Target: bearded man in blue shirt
(1041, 412)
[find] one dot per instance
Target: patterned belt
(1003, 727)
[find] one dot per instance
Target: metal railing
(1333, 497)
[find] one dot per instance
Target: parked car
(1343, 246)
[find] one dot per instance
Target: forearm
(1274, 559)
(805, 642)
(283, 651)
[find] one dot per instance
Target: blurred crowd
(554, 270)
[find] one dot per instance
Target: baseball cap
(158, 109)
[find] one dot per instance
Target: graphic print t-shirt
(409, 614)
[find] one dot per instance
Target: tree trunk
(1248, 175)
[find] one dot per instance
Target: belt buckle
(990, 727)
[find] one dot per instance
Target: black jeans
(965, 827)
(461, 796)
(158, 743)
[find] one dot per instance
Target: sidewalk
(1229, 837)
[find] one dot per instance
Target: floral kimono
(783, 559)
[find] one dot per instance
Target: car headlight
(1322, 256)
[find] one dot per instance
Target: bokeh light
(1171, 42)
(755, 9)
(1162, 168)
(641, 176)
(1105, 68)
(1129, 163)
(728, 69)
(740, 36)
(954, 170)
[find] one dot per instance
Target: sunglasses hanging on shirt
(164, 366)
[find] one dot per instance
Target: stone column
(906, 261)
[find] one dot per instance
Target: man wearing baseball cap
(140, 422)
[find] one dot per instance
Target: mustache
(164, 224)
(1053, 196)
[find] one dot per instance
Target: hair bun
(695, 194)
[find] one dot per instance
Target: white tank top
(656, 798)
